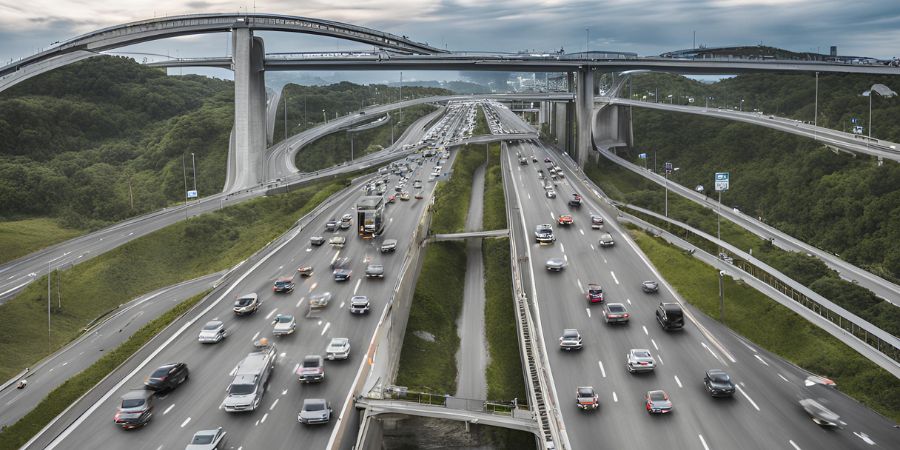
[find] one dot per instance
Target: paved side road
(91, 346)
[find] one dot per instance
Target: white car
(338, 348)
(213, 332)
(284, 324)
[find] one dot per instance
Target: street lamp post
(881, 90)
(324, 117)
(194, 165)
(722, 275)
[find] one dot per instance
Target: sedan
(657, 402)
(550, 193)
(283, 325)
(167, 377)
(338, 348)
(314, 411)
(565, 219)
(337, 241)
(606, 240)
(305, 271)
(555, 264)
(342, 274)
(317, 240)
(312, 369)
(615, 313)
(359, 304)
(375, 271)
(404, 196)
(213, 332)
(331, 225)
(650, 287)
(586, 399)
(718, 383)
(135, 409)
(207, 440)
(639, 360)
(419, 195)
(319, 300)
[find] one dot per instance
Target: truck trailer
(370, 216)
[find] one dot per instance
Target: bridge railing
(399, 395)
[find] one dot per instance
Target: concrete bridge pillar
(570, 115)
(249, 109)
(584, 107)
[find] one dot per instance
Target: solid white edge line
(703, 441)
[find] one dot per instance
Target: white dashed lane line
(562, 247)
(592, 248)
(186, 421)
(580, 286)
(703, 441)
(615, 397)
(168, 409)
(327, 325)
(796, 447)
(678, 381)
(614, 276)
(761, 360)
(710, 350)
(300, 301)
(588, 311)
(659, 357)
(644, 327)
(581, 231)
(255, 336)
(602, 371)
(746, 396)
(273, 404)
(264, 417)
(654, 344)
(356, 288)
(271, 313)
(783, 378)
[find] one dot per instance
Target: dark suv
(670, 316)
(135, 409)
(284, 285)
(167, 377)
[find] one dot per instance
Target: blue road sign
(191, 194)
(642, 156)
(722, 181)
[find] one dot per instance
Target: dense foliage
(307, 106)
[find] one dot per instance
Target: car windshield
(314, 406)
(585, 392)
(312, 362)
(375, 267)
(243, 301)
(160, 373)
(570, 334)
(132, 402)
(202, 439)
(212, 326)
(720, 377)
(657, 396)
(338, 342)
(284, 319)
(240, 389)
(642, 354)
(616, 308)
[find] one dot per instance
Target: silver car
(213, 332)
(314, 411)
(639, 360)
(555, 264)
(338, 348)
(284, 324)
(570, 340)
(207, 440)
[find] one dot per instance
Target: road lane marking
(628, 300)
(747, 396)
(529, 196)
(604, 259)
(703, 441)
(313, 286)
(562, 247)
(301, 301)
(761, 360)
(796, 447)
(588, 312)
(864, 437)
(264, 417)
(602, 371)
(269, 316)
(273, 404)
(615, 397)
(326, 328)
(580, 287)
(319, 323)
(280, 267)
(185, 422)
(678, 381)
(335, 257)
(566, 257)
(659, 357)
(614, 276)
(782, 377)
(552, 216)
(710, 350)
(654, 344)
(296, 366)
(255, 336)
(342, 305)
(168, 409)
(284, 392)
(645, 330)
(356, 288)
(581, 231)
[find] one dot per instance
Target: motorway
(90, 346)
(197, 404)
(764, 412)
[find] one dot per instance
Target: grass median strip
(451, 198)
(182, 251)
(428, 356)
(505, 378)
(783, 332)
(17, 434)
(494, 217)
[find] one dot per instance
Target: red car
(595, 293)
(392, 199)
(565, 219)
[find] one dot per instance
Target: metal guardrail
(529, 344)
(399, 395)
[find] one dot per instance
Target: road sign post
(667, 169)
(723, 180)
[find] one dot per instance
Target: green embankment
(783, 332)
(451, 198)
(21, 237)
(494, 202)
(335, 148)
(185, 250)
(505, 379)
(626, 186)
(481, 126)
(15, 435)
(428, 362)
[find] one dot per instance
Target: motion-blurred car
(555, 264)
(615, 313)
(596, 222)
(575, 201)
(639, 360)
(419, 195)
(346, 221)
(391, 199)
(312, 369)
(338, 348)
(594, 293)
(404, 196)
(820, 414)
(246, 304)
(314, 411)
(320, 300)
(283, 325)
(135, 409)
(331, 224)
(359, 304)
(571, 340)
(337, 241)
(657, 402)
(586, 399)
(550, 193)
(389, 245)
(650, 287)
(208, 440)
(547, 160)
(375, 271)
(543, 234)
(342, 274)
(565, 219)
(305, 270)
(283, 285)
(167, 377)
(317, 240)
(718, 383)
(213, 332)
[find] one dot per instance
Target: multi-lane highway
(764, 412)
(197, 404)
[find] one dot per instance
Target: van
(670, 316)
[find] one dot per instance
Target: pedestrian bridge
(472, 234)
(452, 408)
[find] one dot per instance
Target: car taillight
(626, 315)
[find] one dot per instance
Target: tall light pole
(184, 174)
(816, 111)
(324, 117)
(49, 342)
(194, 165)
(881, 90)
(722, 275)
(401, 96)
(285, 117)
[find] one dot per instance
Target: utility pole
(194, 164)
(816, 110)
(401, 96)
(285, 117)
(184, 174)
(722, 274)
(49, 274)
(694, 45)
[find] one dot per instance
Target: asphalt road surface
(91, 346)
(196, 404)
(764, 413)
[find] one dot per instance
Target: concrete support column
(570, 115)
(584, 104)
(561, 123)
(249, 109)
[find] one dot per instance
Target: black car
(342, 274)
(670, 316)
(650, 287)
(167, 377)
(135, 409)
(718, 383)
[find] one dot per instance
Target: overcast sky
(648, 27)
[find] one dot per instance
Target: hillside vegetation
(103, 139)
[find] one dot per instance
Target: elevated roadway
(764, 412)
